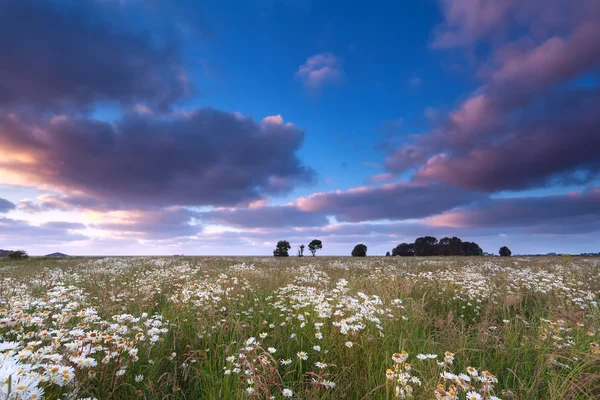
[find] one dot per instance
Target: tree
(360, 250)
(505, 251)
(18, 255)
(282, 248)
(471, 249)
(315, 245)
(301, 251)
(387, 253)
(404, 250)
(425, 246)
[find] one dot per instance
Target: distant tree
(425, 246)
(387, 253)
(18, 255)
(360, 250)
(505, 251)
(282, 248)
(471, 249)
(301, 251)
(404, 250)
(315, 245)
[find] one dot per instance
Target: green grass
(531, 322)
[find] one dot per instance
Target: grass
(164, 328)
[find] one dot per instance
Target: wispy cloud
(321, 70)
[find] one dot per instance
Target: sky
(152, 127)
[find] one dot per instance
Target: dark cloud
(265, 217)
(6, 206)
(58, 54)
(395, 201)
(63, 225)
(571, 213)
(205, 157)
(527, 125)
(555, 144)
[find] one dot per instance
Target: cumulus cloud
(396, 201)
(320, 70)
(59, 55)
(558, 213)
(205, 157)
(527, 125)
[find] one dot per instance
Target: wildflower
(272, 350)
(349, 344)
(399, 358)
(473, 396)
(287, 393)
(389, 373)
(320, 365)
(302, 355)
(139, 378)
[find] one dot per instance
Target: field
(309, 328)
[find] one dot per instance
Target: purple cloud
(204, 157)
(266, 216)
(320, 70)
(527, 126)
(58, 55)
(19, 233)
(394, 201)
(171, 223)
(6, 206)
(575, 213)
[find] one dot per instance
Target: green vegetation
(322, 328)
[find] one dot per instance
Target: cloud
(466, 21)
(469, 22)
(6, 206)
(394, 201)
(266, 216)
(205, 157)
(170, 223)
(21, 234)
(320, 70)
(528, 125)
(58, 55)
(70, 226)
(574, 212)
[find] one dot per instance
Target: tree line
(282, 249)
(13, 254)
(430, 246)
(422, 246)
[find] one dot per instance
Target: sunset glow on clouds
(214, 132)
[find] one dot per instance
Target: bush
(360, 250)
(18, 255)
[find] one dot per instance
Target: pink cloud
(381, 177)
(469, 20)
(320, 70)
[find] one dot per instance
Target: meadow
(300, 328)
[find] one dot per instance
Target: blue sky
(221, 127)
